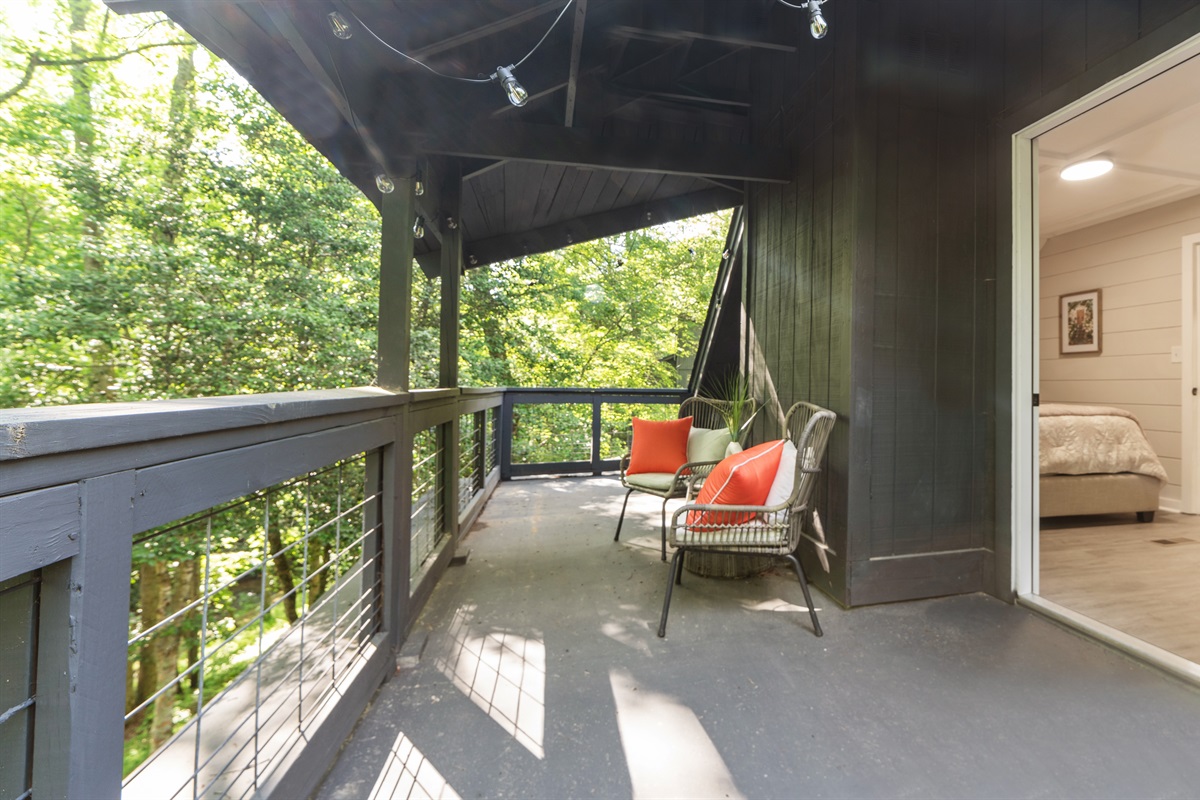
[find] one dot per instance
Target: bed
(1096, 460)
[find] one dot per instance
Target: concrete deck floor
(535, 672)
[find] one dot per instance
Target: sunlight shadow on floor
(777, 604)
(503, 673)
(667, 750)
(407, 773)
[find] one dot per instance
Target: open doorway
(1107, 546)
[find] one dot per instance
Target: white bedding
(1081, 440)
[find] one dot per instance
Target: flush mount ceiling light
(1086, 170)
(817, 25)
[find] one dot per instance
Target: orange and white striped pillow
(743, 479)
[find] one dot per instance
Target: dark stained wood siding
(879, 280)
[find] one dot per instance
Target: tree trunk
(150, 589)
(154, 581)
(87, 186)
(175, 596)
(193, 622)
(283, 567)
(320, 581)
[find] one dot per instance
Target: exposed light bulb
(418, 186)
(515, 91)
(383, 183)
(337, 23)
(472, 260)
(817, 25)
(419, 228)
(1086, 170)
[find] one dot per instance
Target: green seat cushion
(651, 481)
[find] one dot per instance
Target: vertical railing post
(397, 463)
(447, 438)
(596, 402)
(80, 736)
(480, 444)
(506, 436)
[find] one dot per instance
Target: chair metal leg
(617, 538)
(676, 567)
(664, 528)
(679, 572)
(812, 612)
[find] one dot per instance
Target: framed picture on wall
(1080, 322)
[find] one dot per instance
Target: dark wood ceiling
(638, 111)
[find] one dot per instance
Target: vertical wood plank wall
(879, 280)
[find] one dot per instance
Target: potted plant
(734, 390)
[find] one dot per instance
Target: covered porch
(535, 671)
(856, 160)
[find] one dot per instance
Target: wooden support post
(506, 436)
(480, 444)
(447, 439)
(395, 286)
(452, 267)
(596, 468)
(82, 655)
(395, 512)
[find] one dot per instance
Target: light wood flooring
(1112, 569)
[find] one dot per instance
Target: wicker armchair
(705, 413)
(757, 530)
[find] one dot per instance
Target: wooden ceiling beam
(594, 226)
(631, 32)
(576, 55)
(548, 144)
(490, 29)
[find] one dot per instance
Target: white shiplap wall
(1136, 262)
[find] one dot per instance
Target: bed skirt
(1125, 492)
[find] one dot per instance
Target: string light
(516, 93)
(384, 184)
(512, 89)
(341, 28)
(418, 186)
(419, 228)
(817, 25)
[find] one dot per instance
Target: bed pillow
(658, 446)
(708, 444)
(740, 480)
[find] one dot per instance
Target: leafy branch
(37, 60)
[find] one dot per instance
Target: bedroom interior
(1104, 552)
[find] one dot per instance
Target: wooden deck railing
(80, 484)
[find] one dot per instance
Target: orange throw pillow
(658, 446)
(743, 479)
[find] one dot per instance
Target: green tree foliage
(165, 233)
(168, 234)
(623, 311)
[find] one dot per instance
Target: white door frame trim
(1025, 277)
(1189, 500)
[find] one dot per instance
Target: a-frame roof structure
(638, 110)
